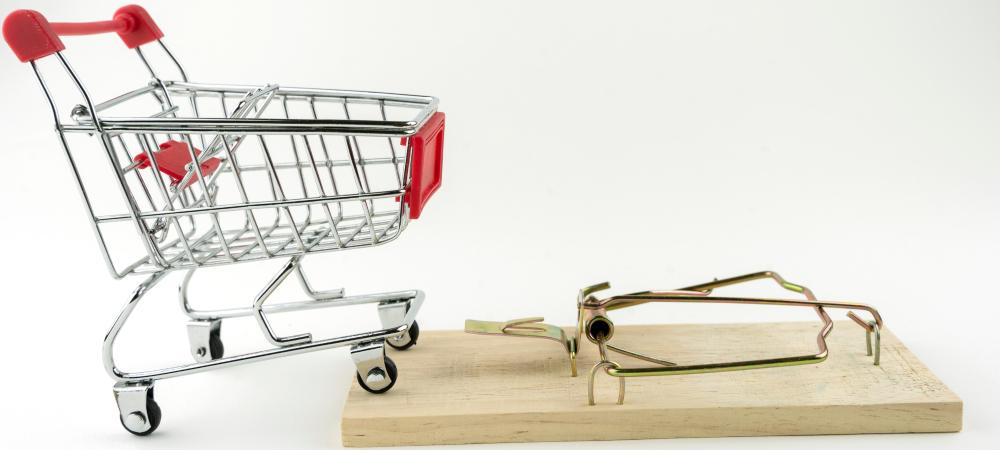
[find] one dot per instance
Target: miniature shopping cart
(200, 175)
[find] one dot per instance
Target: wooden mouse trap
(461, 389)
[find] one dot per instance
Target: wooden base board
(456, 388)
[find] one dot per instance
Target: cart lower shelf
(460, 389)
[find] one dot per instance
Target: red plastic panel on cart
(30, 36)
(425, 170)
(173, 158)
(140, 29)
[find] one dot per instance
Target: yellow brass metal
(594, 323)
(526, 327)
(606, 365)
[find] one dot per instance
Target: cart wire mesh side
(265, 187)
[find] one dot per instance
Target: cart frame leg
(134, 390)
(411, 300)
(265, 326)
(320, 298)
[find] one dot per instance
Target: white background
(851, 146)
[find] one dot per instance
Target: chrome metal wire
(283, 185)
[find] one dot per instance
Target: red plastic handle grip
(31, 36)
(83, 28)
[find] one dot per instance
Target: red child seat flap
(173, 158)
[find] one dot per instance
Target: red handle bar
(31, 36)
(81, 28)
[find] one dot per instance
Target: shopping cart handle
(31, 36)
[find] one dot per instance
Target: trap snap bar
(595, 324)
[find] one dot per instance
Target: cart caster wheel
(407, 340)
(376, 374)
(137, 421)
(206, 340)
(215, 348)
(138, 411)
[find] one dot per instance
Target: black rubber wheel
(154, 416)
(413, 332)
(391, 368)
(215, 348)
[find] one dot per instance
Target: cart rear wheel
(407, 340)
(390, 367)
(206, 339)
(215, 347)
(136, 421)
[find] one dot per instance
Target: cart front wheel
(407, 340)
(142, 416)
(390, 371)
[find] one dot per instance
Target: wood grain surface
(457, 388)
